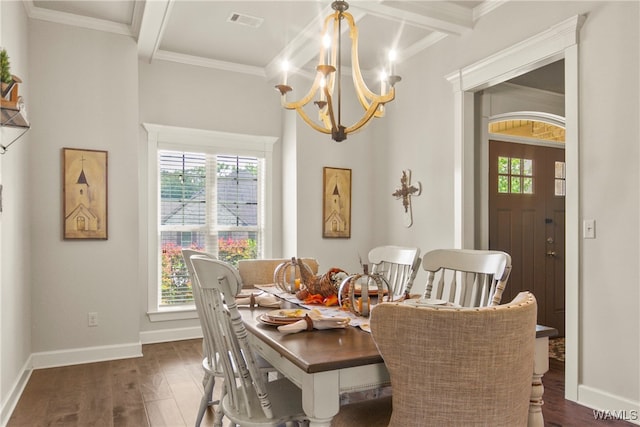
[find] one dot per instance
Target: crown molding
(208, 63)
(446, 18)
(136, 19)
(487, 7)
(42, 14)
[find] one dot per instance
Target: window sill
(169, 314)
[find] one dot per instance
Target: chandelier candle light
(329, 83)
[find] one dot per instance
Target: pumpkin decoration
(290, 276)
(355, 292)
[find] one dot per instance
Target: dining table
(329, 363)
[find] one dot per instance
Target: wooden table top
(316, 351)
(326, 350)
(545, 331)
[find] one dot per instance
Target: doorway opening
(526, 209)
(559, 42)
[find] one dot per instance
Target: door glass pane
(560, 172)
(515, 166)
(515, 175)
(559, 182)
(515, 184)
(503, 165)
(503, 184)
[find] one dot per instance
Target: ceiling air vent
(250, 21)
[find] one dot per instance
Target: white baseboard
(167, 335)
(610, 404)
(14, 394)
(76, 356)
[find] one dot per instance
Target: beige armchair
(458, 366)
(260, 271)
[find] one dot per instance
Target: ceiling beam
(448, 18)
(299, 52)
(154, 20)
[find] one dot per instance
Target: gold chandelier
(329, 83)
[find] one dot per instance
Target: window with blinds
(208, 202)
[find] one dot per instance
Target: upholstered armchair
(260, 271)
(458, 366)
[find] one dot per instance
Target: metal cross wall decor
(405, 192)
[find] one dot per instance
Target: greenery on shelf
(5, 67)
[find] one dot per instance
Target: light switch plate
(589, 229)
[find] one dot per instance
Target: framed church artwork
(84, 194)
(336, 203)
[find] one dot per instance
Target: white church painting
(336, 203)
(85, 193)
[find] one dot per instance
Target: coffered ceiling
(254, 37)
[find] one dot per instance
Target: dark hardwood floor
(163, 388)
(558, 411)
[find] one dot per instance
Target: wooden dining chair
(212, 369)
(210, 364)
(399, 265)
(247, 398)
(458, 366)
(466, 277)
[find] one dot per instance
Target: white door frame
(558, 42)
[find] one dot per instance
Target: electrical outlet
(93, 319)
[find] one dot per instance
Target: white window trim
(200, 140)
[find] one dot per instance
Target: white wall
(15, 244)
(609, 110)
(609, 153)
(203, 98)
(83, 95)
(315, 151)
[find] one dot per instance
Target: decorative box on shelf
(13, 109)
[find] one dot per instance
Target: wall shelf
(14, 118)
(12, 112)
